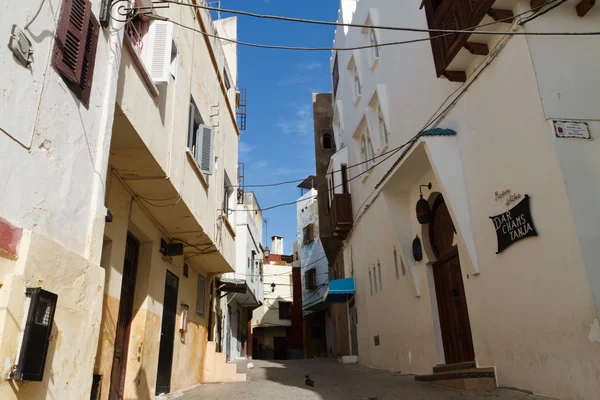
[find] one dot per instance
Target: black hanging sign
(514, 224)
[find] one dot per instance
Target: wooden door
(119, 365)
(280, 352)
(167, 335)
(449, 288)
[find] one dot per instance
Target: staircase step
(468, 378)
(454, 367)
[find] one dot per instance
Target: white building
(56, 116)
(505, 121)
(118, 145)
(314, 268)
(242, 291)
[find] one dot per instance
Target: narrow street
(333, 381)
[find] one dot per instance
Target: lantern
(272, 287)
(423, 208)
(417, 249)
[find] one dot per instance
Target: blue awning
(339, 290)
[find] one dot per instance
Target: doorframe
(158, 368)
(119, 384)
(437, 260)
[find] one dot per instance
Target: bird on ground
(308, 381)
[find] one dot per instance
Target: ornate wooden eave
(459, 15)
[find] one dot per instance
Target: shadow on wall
(29, 390)
(142, 391)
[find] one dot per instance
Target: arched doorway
(449, 288)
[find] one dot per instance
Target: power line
(393, 28)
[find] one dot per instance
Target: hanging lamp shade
(417, 249)
(423, 211)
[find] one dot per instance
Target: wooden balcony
(341, 214)
(459, 15)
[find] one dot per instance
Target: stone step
(454, 367)
(469, 378)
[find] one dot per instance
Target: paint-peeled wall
(53, 159)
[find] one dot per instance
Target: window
(380, 278)
(226, 79)
(363, 152)
(185, 270)
(327, 142)
(285, 310)
(344, 172)
(251, 266)
(335, 76)
(201, 296)
(308, 234)
(375, 48)
(201, 141)
(75, 47)
(370, 283)
(310, 279)
(383, 132)
(375, 278)
(355, 79)
(370, 150)
(357, 87)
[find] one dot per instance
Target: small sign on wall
(572, 129)
(514, 224)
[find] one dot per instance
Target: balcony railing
(341, 214)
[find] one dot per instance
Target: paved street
(285, 380)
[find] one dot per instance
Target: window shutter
(158, 57)
(206, 149)
(89, 60)
(190, 142)
(71, 36)
(200, 299)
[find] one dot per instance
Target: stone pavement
(284, 380)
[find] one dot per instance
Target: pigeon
(250, 366)
(308, 381)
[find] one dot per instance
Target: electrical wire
(560, 2)
(393, 28)
(28, 23)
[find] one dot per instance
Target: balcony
(341, 214)
(459, 15)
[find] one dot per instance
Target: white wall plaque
(571, 129)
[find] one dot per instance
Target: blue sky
(278, 143)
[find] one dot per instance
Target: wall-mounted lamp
(417, 249)
(267, 252)
(423, 209)
(272, 288)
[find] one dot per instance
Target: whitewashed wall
(532, 307)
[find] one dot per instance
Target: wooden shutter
(206, 136)
(190, 143)
(200, 299)
(89, 60)
(158, 57)
(71, 36)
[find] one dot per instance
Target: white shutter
(158, 56)
(205, 148)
